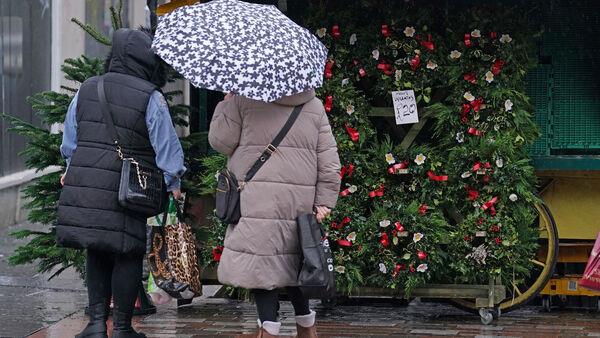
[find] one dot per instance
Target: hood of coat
(131, 54)
(297, 99)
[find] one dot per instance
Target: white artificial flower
(508, 105)
(460, 137)
(409, 32)
(431, 65)
(468, 96)
(455, 54)
(351, 236)
(505, 38)
(352, 189)
(499, 163)
(420, 159)
(340, 269)
(345, 82)
(466, 174)
(417, 51)
(385, 223)
(375, 54)
(350, 109)
(382, 268)
(352, 39)
(389, 158)
(398, 74)
(479, 254)
(321, 32)
(422, 268)
(513, 197)
(476, 33)
(489, 76)
(417, 237)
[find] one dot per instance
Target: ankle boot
(305, 325)
(96, 327)
(268, 329)
(122, 325)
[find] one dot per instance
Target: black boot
(122, 325)
(96, 328)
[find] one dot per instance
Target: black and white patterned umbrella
(249, 49)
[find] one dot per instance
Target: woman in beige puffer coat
(262, 252)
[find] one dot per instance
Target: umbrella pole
(152, 4)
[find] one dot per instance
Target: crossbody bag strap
(110, 125)
(272, 147)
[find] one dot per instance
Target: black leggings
(113, 274)
(267, 303)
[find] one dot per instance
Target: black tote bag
(316, 278)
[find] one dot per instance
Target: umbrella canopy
(249, 49)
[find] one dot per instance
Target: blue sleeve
(164, 140)
(69, 139)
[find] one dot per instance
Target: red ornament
(217, 252)
(423, 209)
(438, 178)
(415, 62)
(329, 69)
(411, 269)
(493, 35)
(385, 241)
(328, 103)
(344, 243)
(385, 31)
(354, 135)
(362, 72)
(377, 192)
(467, 40)
(497, 66)
(421, 254)
(498, 240)
(399, 226)
(470, 77)
(335, 31)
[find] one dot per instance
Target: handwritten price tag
(405, 107)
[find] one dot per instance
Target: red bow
(497, 66)
(217, 252)
(394, 169)
(345, 192)
(489, 205)
(474, 131)
(354, 135)
(476, 104)
(335, 31)
(467, 40)
(362, 72)
(385, 31)
(328, 103)
(385, 240)
(344, 242)
(423, 209)
(347, 170)
(470, 77)
(377, 192)
(428, 44)
(329, 69)
(439, 178)
(399, 226)
(415, 62)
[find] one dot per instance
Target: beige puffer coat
(261, 251)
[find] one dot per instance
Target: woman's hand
(322, 213)
(62, 179)
(176, 194)
(228, 96)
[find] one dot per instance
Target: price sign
(405, 107)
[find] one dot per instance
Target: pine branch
(51, 107)
(93, 32)
(114, 17)
(82, 68)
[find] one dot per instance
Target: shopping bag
(591, 275)
(316, 277)
(158, 295)
(173, 258)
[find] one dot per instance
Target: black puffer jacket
(89, 215)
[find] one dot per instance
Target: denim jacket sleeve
(69, 138)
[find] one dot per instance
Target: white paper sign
(405, 107)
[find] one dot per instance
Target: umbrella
(249, 49)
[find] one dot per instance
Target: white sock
(306, 320)
(271, 327)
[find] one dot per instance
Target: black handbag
(316, 277)
(142, 188)
(228, 187)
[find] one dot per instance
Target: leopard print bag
(173, 257)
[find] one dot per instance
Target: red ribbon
(466, 108)
(415, 62)
(386, 68)
(470, 77)
(377, 192)
(347, 170)
(438, 178)
(340, 225)
(345, 192)
(394, 169)
(489, 205)
(428, 44)
(328, 103)
(467, 40)
(493, 35)
(385, 31)
(477, 166)
(399, 226)
(217, 252)
(474, 131)
(362, 72)
(329, 69)
(385, 240)
(354, 135)
(344, 242)
(335, 31)
(497, 66)
(476, 104)
(473, 194)
(423, 209)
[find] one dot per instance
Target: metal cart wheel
(520, 294)
(486, 315)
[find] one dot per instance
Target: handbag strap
(272, 147)
(110, 125)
